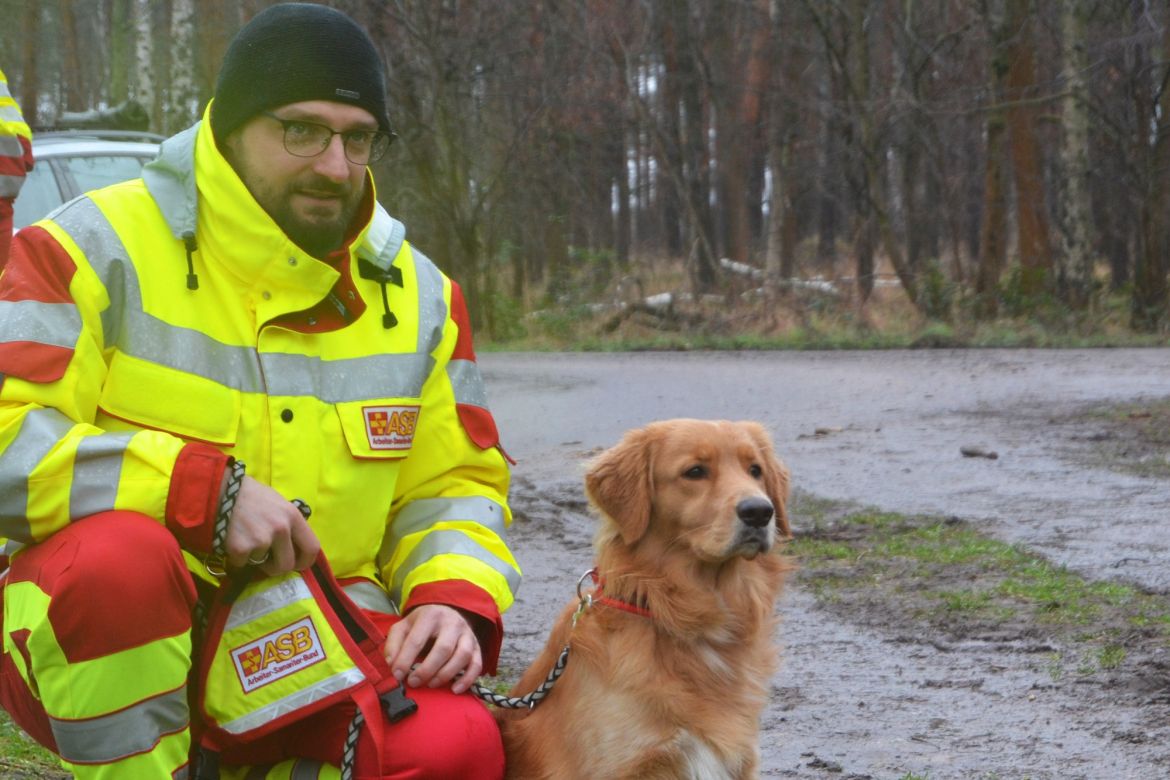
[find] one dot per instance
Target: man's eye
(299, 130)
(359, 137)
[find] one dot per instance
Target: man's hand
(441, 642)
(265, 526)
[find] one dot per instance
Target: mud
(865, 690)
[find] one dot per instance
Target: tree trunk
(30, 82)
(121, 43)
(994, 222)
(1034, 244)
(1077, 217)
(784, 128)
(71, 75)
(181, 95)
(743, 139)
(993, 232)
(144, 55)
(1150, 294)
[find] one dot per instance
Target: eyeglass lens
(308, 139)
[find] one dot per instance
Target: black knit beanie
(294, 52)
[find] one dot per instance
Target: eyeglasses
(309, 139)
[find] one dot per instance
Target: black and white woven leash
(350, 750)
(530, 700)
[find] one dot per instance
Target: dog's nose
(756, 512)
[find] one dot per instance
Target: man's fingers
(465, 661)
(305, 545)
(409, 644)
(433, 646)
(268, 531)
(441, 652)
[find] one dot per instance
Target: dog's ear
(618, 482)
(775, 477)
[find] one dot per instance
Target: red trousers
(117, 581)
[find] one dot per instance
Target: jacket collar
(197, 189)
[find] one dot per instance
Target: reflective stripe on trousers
(98, 647)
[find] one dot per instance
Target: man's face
(312, 199)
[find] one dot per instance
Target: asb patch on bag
(280, 649)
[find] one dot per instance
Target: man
(185, 354)
(16, 160)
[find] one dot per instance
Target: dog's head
(716, 487)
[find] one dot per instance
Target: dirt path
(855, 699)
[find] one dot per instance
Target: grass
(940, 577)
(586, 313)
(20, 757)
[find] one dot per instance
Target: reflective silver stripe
(10, 186)
(40, 430)
(9, 113)
(295, 701)
(425, 513)
(191, 351)
(125, 324)
(97, 470)
(134, 730)
(304, 769)
(55, 324)
(266, 601)
(450, 543)
(432, 309)
(10, 146)
(355, 379)
(181, 773)
(467, 383)
(103, 249)
(371, 597)
(146, 337)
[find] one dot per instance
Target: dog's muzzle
(755, 534)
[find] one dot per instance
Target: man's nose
(332, 162)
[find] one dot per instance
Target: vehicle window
(37, 197)
(91, 173)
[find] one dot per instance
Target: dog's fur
(678, 693)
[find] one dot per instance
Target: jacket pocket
(150, 395)
(379, 429)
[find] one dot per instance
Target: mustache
(323, 185)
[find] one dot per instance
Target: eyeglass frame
(390, 135)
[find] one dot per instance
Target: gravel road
(883, 429)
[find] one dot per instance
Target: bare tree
(144, 92)
(1076, 213)
(1020, 87)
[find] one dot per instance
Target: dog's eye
(756, 471)
(695, 472)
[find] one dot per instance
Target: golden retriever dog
(672, 650)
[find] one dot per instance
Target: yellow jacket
(15, 143)
(124, 388)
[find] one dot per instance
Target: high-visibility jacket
(151, 329)
(15, 143)
(16, 160)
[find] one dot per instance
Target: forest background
(723, 172)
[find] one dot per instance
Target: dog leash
(530, 700)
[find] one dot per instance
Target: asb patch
(390, 427)
(276, 655)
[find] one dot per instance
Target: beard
(320, 229)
